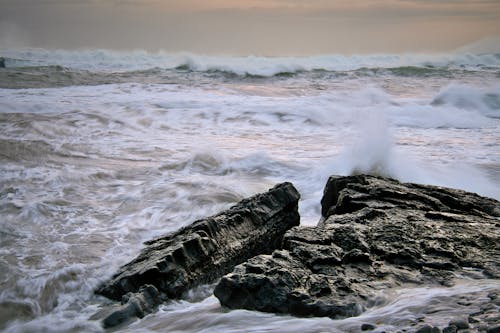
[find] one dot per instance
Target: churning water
(100, 151)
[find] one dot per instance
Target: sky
(257, 27)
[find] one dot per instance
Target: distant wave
(111, 61)
(59, 76)
(406, 65)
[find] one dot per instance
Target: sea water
(101, 151)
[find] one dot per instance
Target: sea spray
(372, 151)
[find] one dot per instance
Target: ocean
(101, 151)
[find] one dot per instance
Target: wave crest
(465, 97)
(112, 61)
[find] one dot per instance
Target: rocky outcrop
(209, 248)
(375, 233)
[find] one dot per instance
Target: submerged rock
(428, 329)
(368, 327)
(209, 248)
(133, 306)
(375, 233)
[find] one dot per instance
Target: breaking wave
(104, 60)
(465, 97)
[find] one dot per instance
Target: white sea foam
(465, 97)
(252, 65)
(400, 309)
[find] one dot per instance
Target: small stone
(428, 329)
(494, 329)
(134, 305)
(472, 320)
(367, 327)
(450, 329)
(482, 327)
(488, 307)
(461, 324)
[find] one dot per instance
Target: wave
(208, 162)
(112, 61)
(50, 76)
(400, 65)
(465, 97)
(58, 76)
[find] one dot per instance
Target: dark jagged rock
(368, 327)
(133, 306)
(375, 234)
(488, 317)
(460, 324)
(494, 329)
(209, 248)
(450, 329)
(2, 62)
(428, 329)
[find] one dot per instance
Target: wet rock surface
(209, 248)
(199, 253)
(487, 318)
(375, 234)
(133, 306)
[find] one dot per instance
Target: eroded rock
(375, 234)
(209, 248)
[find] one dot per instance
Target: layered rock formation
(209, 248)
(375, 233)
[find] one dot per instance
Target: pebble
(460, 324)
(450, 329)
(428, 329)
(495, 329)
(367, 327)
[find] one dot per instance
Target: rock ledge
(375, 233)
